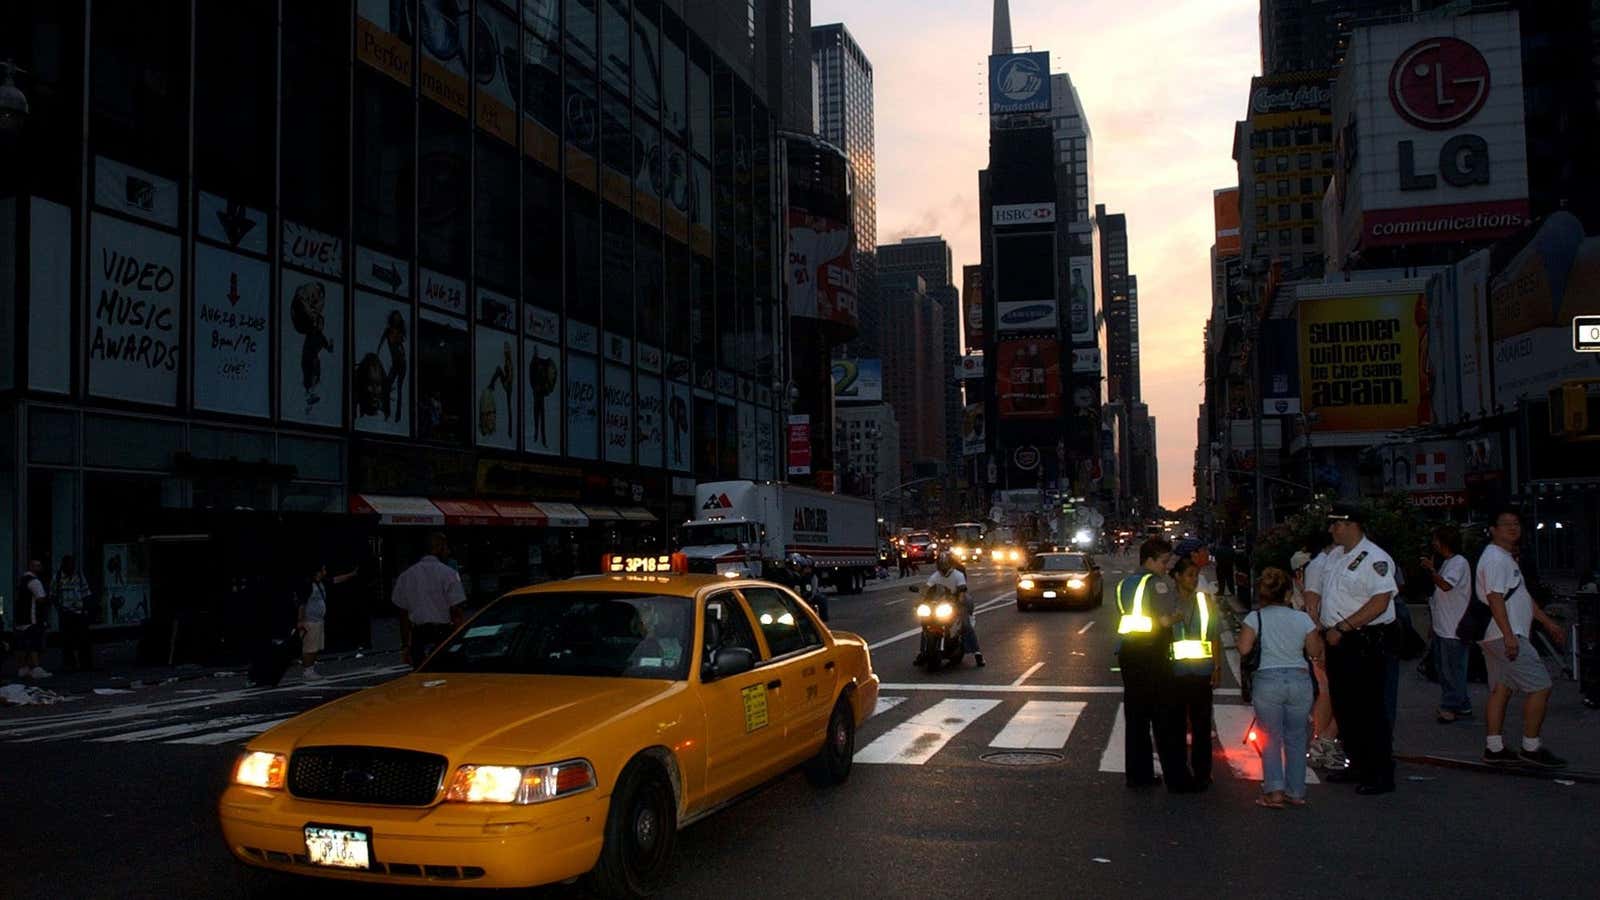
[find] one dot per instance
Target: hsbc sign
(1025, 214)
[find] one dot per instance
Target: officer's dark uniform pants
(1356, 669)
(1192, 719)
(1148, 705)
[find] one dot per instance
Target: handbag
(1475, 621)
(1250, 662)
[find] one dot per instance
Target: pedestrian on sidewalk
(1196, 552)
(75, 603)
(33, 609)
(313, 613)
(1196, 669)
(1282, 689)
(1511, 659)
(1147, 602)
(1326, 751)
(1452, 591)
(1356, 603)
(431, 596)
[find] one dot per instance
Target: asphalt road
(114, 797)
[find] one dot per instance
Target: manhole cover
(1021, 758)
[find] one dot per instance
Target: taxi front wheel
(832, 763)
(641, 828)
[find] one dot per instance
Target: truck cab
(721, 546)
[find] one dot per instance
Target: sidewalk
(120, 671)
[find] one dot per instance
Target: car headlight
(1084, 536)
(944, 611)
(997, 555)
(1026, 584)
(1015, 556)
(924, 610)
(260, 769)
(1075, 583)
(520, 784)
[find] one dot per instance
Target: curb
(1520, 771)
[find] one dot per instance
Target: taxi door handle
(774, 684)
(828, 665)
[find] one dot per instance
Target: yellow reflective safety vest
(1134, 620)
(1187, 648)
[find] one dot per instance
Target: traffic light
(1569, 408)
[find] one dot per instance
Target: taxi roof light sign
(644, 564)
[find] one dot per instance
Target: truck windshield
(967, 534)
(714, 533)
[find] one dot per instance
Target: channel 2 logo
(1439, 83)
(1586, 334)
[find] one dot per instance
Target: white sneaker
(39, 672)
(311, 673)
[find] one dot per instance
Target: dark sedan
(1060, 579)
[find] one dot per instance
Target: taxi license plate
(339, 847)
(1049, 595)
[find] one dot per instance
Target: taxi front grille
(376, 775)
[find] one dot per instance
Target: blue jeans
(1450, 660)
(1282, 698)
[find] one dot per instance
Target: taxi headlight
(1026, 584)
(1015, 556)
(261, 769)
(944, 611)
(1075, 583)
(520, 784)
(924, 610)
(997, 555)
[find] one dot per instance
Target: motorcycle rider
(947, 579)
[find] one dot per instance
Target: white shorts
(313, 640)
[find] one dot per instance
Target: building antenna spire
(1002, 27)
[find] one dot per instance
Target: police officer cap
(1188, 546)
(1347, 512)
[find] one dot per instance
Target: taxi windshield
(587, 634)
(1058, 562)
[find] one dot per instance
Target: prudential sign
(1019, 83)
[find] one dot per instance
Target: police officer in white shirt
(1357, 600)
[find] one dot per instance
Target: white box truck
(749, 527)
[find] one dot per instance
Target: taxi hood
(494, 719)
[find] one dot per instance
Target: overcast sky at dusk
(1162, 82)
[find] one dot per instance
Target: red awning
(517, 512)
(467, 512)
(563, 515)
(397, 510)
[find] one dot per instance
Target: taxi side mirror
(730, 661)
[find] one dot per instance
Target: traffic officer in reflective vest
(1148, 606)
(1358, 589)
(1196, 669)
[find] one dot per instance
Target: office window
(384, 157)
(1283, 237)
(1304, 161)
(541, 81)
(1308, 235)
(1261, 214)
(541, 238)
(674, 78)
(647, 57)
(700, 100)
(444, 189)
(1261, 189)
(1308, 211)
(139, 84)
(1281, 163)
(1280, 138)
(316, 79)
(235, 62)
(580, 32)
(1283, 187)
(616, 41)
(1307, 186)
(583, 256)
(1261, 165)
(1283, 212)
(496, 214)
(1327, 160)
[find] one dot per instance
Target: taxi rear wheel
(832, 763)
(641, 828)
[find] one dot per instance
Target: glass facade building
(514, 264)
(845, 120)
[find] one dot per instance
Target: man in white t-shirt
(1513, 664)
(1452, 591)
(949, 580)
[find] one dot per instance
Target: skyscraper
(930, 258)
(912, 367)
(844, 119)
(1074, 153)
(1114, 280)
(1314, 34)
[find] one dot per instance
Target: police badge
(1381, 567)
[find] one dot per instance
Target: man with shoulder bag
(33, 611)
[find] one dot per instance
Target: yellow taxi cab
(569, 728)
(1007, 555)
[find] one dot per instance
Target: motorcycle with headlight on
(942, 622)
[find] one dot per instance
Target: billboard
(1362, 361)
(821, 271)
(972, 430)
(1435, 111)
(1028, 379)
(1019, 83)
(971, 367)
(1225, 213)
(1024, 214)
(134, 335)
(972, 304)
(379, 389)
(1086, 360)
(1280, 376)
(1025, 282)
(542, 407)
(495, 381)
(1290, 99)
(858, 380)
(1470, 334)
(799, 440)
(1081, 300)
(231, 313)
(1555, 277)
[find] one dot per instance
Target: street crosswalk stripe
(231, 735)
(885, 704)
(1040, 725)
(153, 734)
(1114, 759)
(916, 740)
(1233, 723)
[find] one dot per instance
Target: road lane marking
(227, 737)
(1031, 669)
(885, 704)
(1233, 723)
(1086, 627)
(166, 731)
(1114, 759)
(1022, 688)
(1040, 725)
(916, 740)
(996, 603)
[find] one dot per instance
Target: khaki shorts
(313, 640)
(1526, 673)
